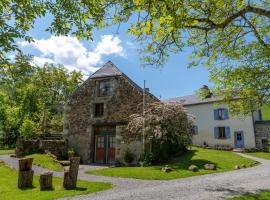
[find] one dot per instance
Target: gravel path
(211, 186)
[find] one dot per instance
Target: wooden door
(111, 149)
(100, 152)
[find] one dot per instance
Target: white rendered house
(216, 127)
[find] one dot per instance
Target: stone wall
(122, 145)
(262, 133)
(57, 147)
(79, 120)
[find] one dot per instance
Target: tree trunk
(25, 164)
(25, 176)
(25, 179)
(70, 177)
(45, 181)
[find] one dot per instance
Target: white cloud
(70, 52)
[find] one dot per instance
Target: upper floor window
(105, 88)
(221, 114)
(99, 109)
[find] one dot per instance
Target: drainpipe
(143, 128)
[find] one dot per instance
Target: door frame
(235, 139)
(104, 134)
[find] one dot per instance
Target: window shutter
(216, 114)
(216, 132)
(226, 113)
(228, 132)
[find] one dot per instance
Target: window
(105, 88)
(222, 132)
(111, 143)
(100, 142)
(195, 130)
(221, 114)
(99, 109)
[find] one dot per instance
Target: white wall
(204, 119)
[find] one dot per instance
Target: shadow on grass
(184, 161)
(78, 189)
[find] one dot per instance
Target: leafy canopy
(230, 37)
(32, 98)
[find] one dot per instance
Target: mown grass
(224, 160)
(45, 161)
(264, 155)
(10, 191)
(260, 196)
(6, 151)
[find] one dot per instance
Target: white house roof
(192, 100)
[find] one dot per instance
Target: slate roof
(192, 100)
(109, 69)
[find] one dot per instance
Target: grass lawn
(45, 161)
(225, 161)
(266, 112)
(259, 196)
(9, 190)
(264, 155)
(6, 151)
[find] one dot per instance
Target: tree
(167, 126)
(32, 98)
(226, 35)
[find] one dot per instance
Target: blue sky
(174, 79)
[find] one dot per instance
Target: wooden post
(25, 176)
(70, 177)
(45, 181)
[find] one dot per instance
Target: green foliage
(32, 98)
(148, 159)
(167, 126)
(229, 37)
(266, 112)
(10, 191)
(224, 160)
(28, 129)
(128, 156)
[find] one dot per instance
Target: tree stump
(45, 181)
(70, 176)
(25, 176)
(25, 164)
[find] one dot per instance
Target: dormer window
(105, 88)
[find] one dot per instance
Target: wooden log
(70, 177)
(25, 164)
(45, 181)
(25, 179)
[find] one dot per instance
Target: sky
(174, 79)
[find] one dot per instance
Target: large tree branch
(210, 25)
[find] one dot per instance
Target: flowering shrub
(167, 128)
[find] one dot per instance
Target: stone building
(97, 113)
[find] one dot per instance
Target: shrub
(167, 126)
(129, 156)
(148, 159)
(28, 129)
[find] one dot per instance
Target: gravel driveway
(208, 187)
